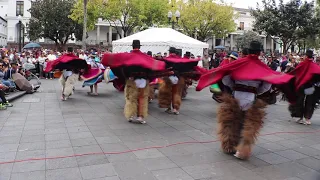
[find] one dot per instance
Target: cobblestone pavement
(41, 126)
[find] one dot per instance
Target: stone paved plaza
(42, 126)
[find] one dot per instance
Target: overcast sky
(248, 3)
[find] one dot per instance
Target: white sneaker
(300, 121)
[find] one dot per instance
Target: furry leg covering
(151, 92)
(230, 118)
(136, 100)
(177, 93)
(143, 101)
(131, 96)
(253, 122)
(68, 84)
(165, 93)
(62, 81)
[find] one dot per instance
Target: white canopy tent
(159, 40)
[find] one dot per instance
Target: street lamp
(177, 16)
(20, 29)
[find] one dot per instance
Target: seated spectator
(4, 104)
(7, 78)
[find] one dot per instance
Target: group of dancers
(241, 80)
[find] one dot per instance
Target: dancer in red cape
(70, 65)
(240, 116)
(135, 70)
(170, 90)
(307, 75)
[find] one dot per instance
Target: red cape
(248, 68)
(66, 61)
(304, 72)
(224, 62)
(177, 59)
(135, 58)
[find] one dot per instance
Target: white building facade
(17, 16)
(244, 22)
(3, 32)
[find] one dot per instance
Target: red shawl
(304, 72)
(177, 59)
(135, 58)
(64, 62)
(248, 68)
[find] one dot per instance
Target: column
(118, 36)
(98, 34)
(110, 35)
(265, 44)
(214, 41)
(231, 42)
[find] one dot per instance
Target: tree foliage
(128, 14)
(49, 19)
(290, 22)
(206, 18)
(243, 41)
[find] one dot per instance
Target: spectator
(206, 61)
(7, 78)
(49, 74)
(271, 63)
(4, 104)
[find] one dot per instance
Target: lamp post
(170, 18)
(20, 29)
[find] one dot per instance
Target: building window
(241, 26)
(20, 8)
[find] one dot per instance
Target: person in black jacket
(271, 63)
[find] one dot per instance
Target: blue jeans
(9, 83)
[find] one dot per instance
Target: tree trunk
(84, 35)
(284, 47)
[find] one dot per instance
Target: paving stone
(88, 160)
(56, 137)
(8, 148)
(311, 162)
(21, 155)
(132, 170)
(158, 163)
(59, 152)
(32, 139)
(97, 171)
(148, 153)
(272, 158)
(172, 174)
(291, 154)
(63, 174)
(80, 135)
(5, 171)
(199, 158)
(29, 166)
(61, 163)
(307, 151)
(34, 175)
(58, 144)
(83, 142)
(32, 146)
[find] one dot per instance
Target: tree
(206, 18)
(243, 41)
(287, 21)
(84, 33)
(128, 14)
(49, 19)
